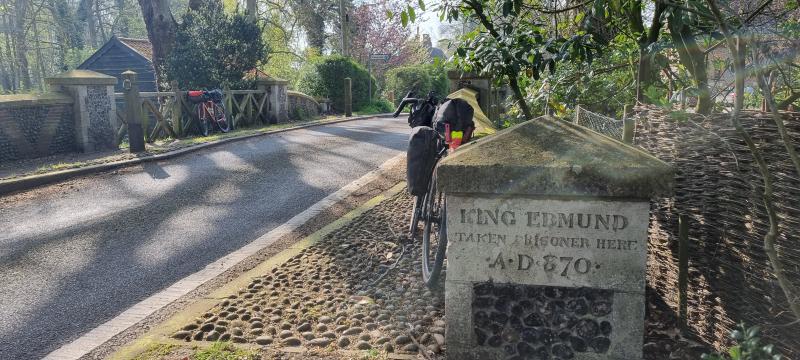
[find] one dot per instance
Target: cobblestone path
(337, 295)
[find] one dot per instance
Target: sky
(429, 24)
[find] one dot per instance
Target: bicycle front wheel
(434, 235)
(203, 124)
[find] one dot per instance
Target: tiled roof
(142, 46)
(256, 74)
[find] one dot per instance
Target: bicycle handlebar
(410, 99)
(405, 102)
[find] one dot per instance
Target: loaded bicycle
(210, 111)
(437, 129)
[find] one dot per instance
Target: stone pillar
(547, 244)
(324, 106)
(278, 98)
(94, 109)
(348, 97)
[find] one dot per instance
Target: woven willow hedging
(720, 190)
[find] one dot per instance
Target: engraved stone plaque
(576, 243)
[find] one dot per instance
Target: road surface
(74, 256)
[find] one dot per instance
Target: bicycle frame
(207, 108)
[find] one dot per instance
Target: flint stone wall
(302, 106)
(98, 105)
(35, 126)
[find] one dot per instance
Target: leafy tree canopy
(215, 49)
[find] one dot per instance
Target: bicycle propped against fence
(210, 111)
(437, 129)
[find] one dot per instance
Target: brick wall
(35, 125)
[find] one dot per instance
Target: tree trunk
(90, 23)
(693, 58)
(39, 57)
(100, 22)
(62, 33)
(12, 61)
(21, 43)
(645, 75)
(523, 105)
(252, 10)
(161, 27)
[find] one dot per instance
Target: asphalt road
(75, 255)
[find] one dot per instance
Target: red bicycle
(210, 111)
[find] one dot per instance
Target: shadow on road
(216, 202)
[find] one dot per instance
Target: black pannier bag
(456, 112)
(421, 158)
(422, 116)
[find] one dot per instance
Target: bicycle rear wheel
(434, 235)
(220, 119)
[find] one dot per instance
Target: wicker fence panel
(719, 188)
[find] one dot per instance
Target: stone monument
(547, 228)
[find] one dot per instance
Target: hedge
(421, 79)
(324, 77)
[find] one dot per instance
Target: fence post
(683, 270)
(577, 115)
(177, 109)
(628, 126)
(348, 97)
(133, 112)
(228, 103)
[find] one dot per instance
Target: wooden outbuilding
(121, 54)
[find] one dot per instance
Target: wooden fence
(170, 114)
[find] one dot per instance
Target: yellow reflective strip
(456, 134)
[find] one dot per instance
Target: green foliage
(324, 77)
(513, 45)
(439, 82)
(748, 346)
(377, 106)
(420, 79)
(224, 351)
(299, 113)
(283, 61)
(403, 79)
(214, 49)
(657, 96)
(604, 86)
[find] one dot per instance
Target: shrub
(748, 347)
(421, 79)
(214, 49)
(439, 82)
(324, 77)
(378, 106)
